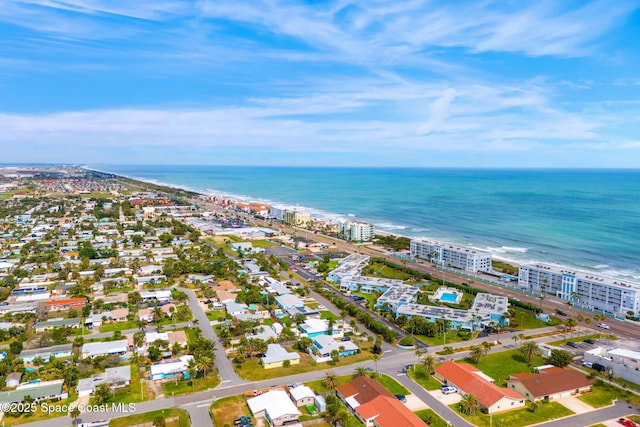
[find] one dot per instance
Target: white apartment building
(602, 293)
(296, 217)
(447, 255)
(356, 231)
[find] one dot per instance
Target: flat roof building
(448, 255)
(611, 295)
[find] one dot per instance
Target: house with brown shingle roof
(225, 285)
(360, 391)
(385, 411)
(551, 383)
(471, 380)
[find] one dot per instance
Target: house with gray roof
(45, 353)
(117, 377)
(38, 390)
(94, 349)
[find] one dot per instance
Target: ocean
(584, 219)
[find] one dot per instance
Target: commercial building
(356, 231)
(367, 284)
(601, 293)
(447, 255)
(621, 362)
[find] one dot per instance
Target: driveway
(446, 399)
(414, 403)
(575, 404)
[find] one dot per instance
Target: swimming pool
(449, 297)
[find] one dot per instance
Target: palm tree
(376, 358)
(138, 339)
(486, 346)
(570, 323)
(204, 363)
(428, 362)
(529, 350)
(330, 381)
(469, 405)
(75, 414)
(192, 371)
(515, 339)
(476, 354)
(361, 371)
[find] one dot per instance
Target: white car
(448, 389)
(603, 325)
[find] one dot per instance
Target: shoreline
(396, 231)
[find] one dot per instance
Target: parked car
(241, 420)
(401, 397)
(589, 341)
(603, 326)
(627, 422)
(561, 313)
(345, 339)
(572, 344)
(447, 389)
(587, 364)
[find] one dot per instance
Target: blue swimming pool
(449, 297)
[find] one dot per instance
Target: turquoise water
(589, 219)
(448, 297)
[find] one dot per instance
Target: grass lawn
(319, 388)
(263, 244)
(599, 425)
(452, 338)
(38, 415)
(148, 417)
(192, 335)
(120, 326)
(418, 375)
(520, 417)
(173, 388)
(391, 384)
(431, 418)
(576, 338)
(602, 394)
(133, 393)
(500, 365)
(224, 411)
(327, 315)
(216, 314)
(251, 369)
(527, 319)
(388, 272)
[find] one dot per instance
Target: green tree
(159, 421)
(330, 381)
(75, 414)
(192, 371)
(469, 405)
(560, 358)
(360, 371)
(428, 362)
(101, 394)
(529, 350)
(476, 354)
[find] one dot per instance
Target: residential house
(170, 368)
(46, 353)
(56, 323)
(275, 407)
(360, 391)
(550, 383)
(302, 396)
(385, 411)
(94, 349)
(470, 380)
(115, 378)
(316, 327)
(66, 304)
(13, 379)
(324, 345)
(38, 391)
(275, 356)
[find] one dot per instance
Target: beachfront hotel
(356, 231)
(296, 217)
(447, 255)
(601, 293)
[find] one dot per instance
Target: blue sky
(353, 83)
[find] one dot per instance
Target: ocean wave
(389, 226)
